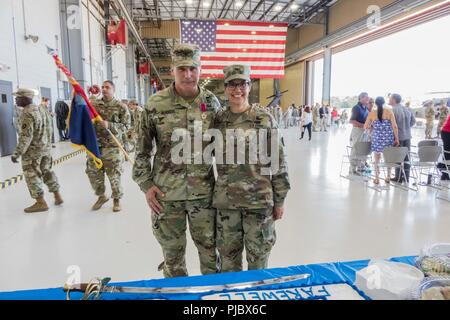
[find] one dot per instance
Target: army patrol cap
(133, 102)
(186, 55)
(236, 71)
(25, 93)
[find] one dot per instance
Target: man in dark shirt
(358, 119)
(405, 120)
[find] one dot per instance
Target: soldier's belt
(11, 181)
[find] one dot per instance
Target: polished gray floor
(327, 219)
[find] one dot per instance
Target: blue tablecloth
(327, 281)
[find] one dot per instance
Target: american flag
(260, 45)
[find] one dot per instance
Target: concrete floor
(327, 219)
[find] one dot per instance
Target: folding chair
(427, 159)
(424, 143)
(394, 157)
(357, 155)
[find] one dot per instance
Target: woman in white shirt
(306, 121)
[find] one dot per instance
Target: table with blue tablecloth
(327, 281)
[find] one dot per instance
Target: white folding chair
(358, 155)
(425, 163)
(393, 158)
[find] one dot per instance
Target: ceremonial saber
(94, 288)
(77, 87)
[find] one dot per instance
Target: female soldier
(249, 195)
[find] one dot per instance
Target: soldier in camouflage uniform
(135, 113)
(248, 200)
(177, 192)
(116, 118)
(443, 115)
(316, 116)
(34, 148)
(48, 117)
(429, 116)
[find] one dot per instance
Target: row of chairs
(423, 162)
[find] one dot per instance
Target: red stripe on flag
(209, 58)
(250, 23)
(252, 33)
(246, 41)
(248, 50)
(252, 67)
(259, 76)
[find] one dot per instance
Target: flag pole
(77, 87)
(125, 153)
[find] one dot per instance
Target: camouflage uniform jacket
(33, 138)
(118, 117)
(429, 114)
(135, 117)
(443, 114)
(242, 186)
(46, 115)
(165, 112)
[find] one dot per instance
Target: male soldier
(17, 113)
(429, 116)
(34, 148)
(135, 113)
(316, 116)
(443, 115)
(116, 119)
(176, 191)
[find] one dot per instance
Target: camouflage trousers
(112, 167)
(253, 228)
(169, 228)
(38, 169)
(429, 129)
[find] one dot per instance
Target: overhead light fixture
(188, 1)
(294, 6)
(206, 4)
(277, 8)
(238, 4)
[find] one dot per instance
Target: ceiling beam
(198, 9)
(210, 8)
(254, 9)
(283, 9)
(241, 9)
(223, 9)
(268, 10)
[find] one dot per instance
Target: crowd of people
(390, 126)
(315, 118)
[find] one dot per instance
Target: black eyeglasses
(234, 85)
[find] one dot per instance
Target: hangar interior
(327, 217)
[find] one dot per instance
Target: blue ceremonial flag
(81, 129)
